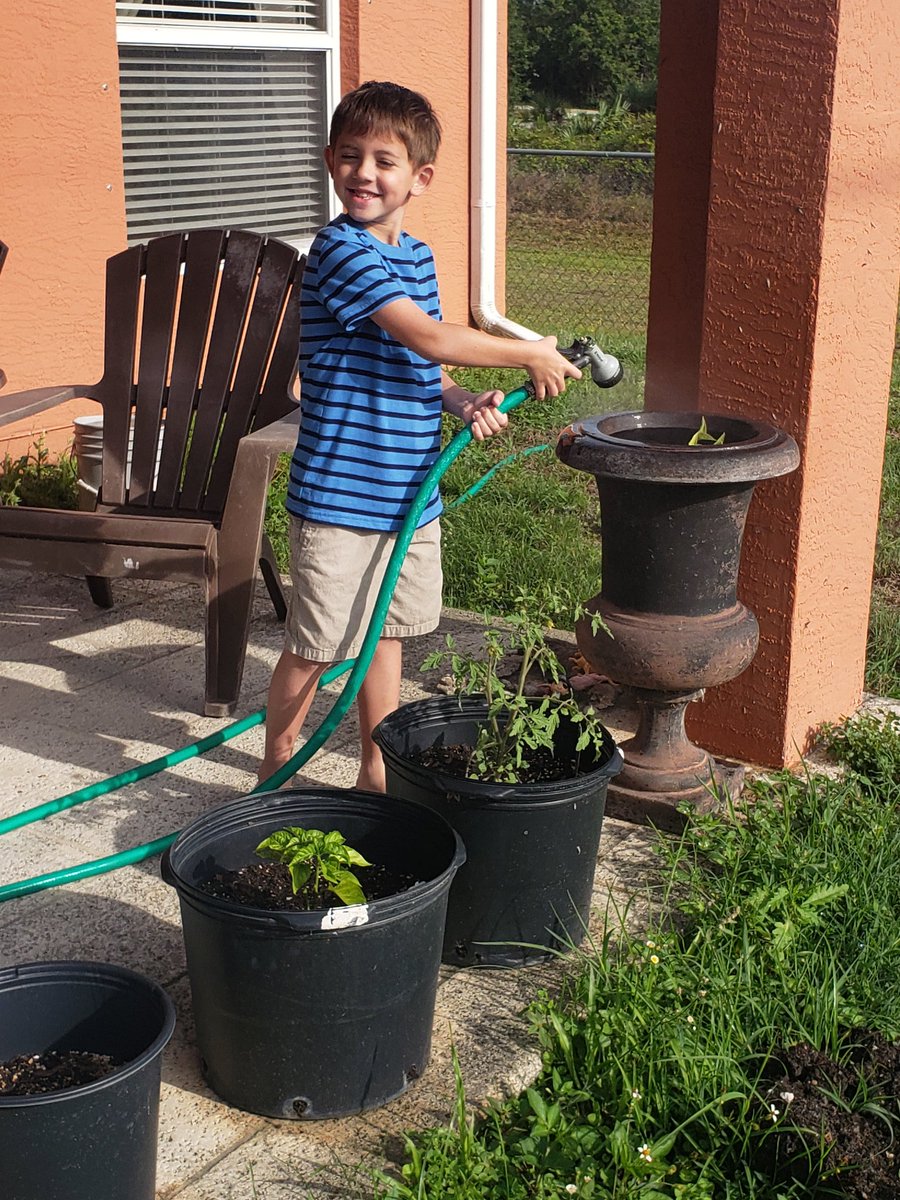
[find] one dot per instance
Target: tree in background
(584, 51)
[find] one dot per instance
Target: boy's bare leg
(378, 696)
(291, 693)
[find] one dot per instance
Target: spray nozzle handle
(606, 371)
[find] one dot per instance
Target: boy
(372, 340)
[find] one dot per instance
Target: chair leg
(229, 607)
(101, 590)
(272, 578)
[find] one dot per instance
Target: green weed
(869, 745)
(36, 481)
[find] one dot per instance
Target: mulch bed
(849, 1110)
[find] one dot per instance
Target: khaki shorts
(337, 572)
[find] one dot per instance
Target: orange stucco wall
(425, 45)
(62, 210)
(61, 201)
(788, 315)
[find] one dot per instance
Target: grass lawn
(742, 1043)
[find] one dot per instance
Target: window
(225, 106)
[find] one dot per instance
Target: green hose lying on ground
(317, 739)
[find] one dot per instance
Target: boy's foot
(371, 780)
(267, 770)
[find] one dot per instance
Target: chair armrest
(280, 436)
(254, 466)
(18, 405)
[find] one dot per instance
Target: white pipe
(483, 203)
(606, 371)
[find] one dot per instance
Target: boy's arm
(479, 411)
(460, 346)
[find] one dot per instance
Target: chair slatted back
(202, 337)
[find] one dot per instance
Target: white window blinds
(224, 115)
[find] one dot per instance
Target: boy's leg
(378, 696)
(291, 693)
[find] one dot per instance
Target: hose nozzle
(606, 371)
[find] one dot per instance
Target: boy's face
(375, 180)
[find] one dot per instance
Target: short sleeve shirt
(370, 407)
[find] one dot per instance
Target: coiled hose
(357, 668)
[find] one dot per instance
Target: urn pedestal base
(666, 776)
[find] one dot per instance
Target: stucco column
(789, 316)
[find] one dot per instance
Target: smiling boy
(372, 341)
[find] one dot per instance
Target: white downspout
(483, 200)
(606, 371)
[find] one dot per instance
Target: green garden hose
(358, 671)
(104, 786)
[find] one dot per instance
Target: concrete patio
(87, 694)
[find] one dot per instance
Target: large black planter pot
(673, 520)
(98, 1140)
(531, 849)
(319, 1014)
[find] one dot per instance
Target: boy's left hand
(480, 412)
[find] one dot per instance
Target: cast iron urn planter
(673, 518)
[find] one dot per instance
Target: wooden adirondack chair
(201, 342)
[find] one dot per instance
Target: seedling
(324, 857)
(518, 724)
(703, 435)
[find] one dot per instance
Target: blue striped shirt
(370, 407)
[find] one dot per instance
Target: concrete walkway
(86, 694)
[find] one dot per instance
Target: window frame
(209, 35)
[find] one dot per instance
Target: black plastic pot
(99, 1139)
(320, 1014)
(525, 891)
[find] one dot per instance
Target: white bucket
(88, 433)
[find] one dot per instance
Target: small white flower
(650, 945)
(571, 1188)
(774, 1112)
(644, 1152)
(787, 1097)
(635, 1094)
(690, 1019)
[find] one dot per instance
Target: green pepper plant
(324, 857)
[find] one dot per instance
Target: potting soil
(268, 885)
(54, 1071)
(541, 765)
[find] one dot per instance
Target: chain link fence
(578, 243)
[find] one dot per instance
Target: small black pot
(100, 1139)
(308, 1015)
(525, 891)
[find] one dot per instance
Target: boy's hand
(548, 369)
(483, 416)
(480, 412)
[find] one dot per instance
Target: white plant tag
(343, 918)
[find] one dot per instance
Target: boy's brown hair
(388, 108)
